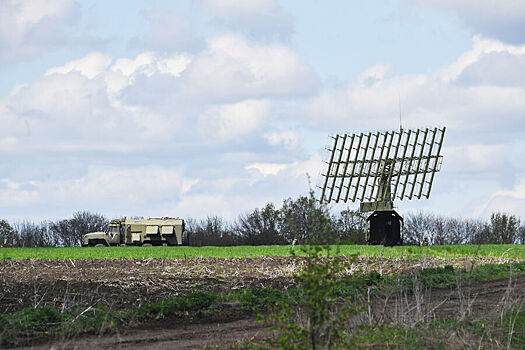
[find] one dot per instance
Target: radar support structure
(376, 168)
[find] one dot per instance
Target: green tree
(350, 227)
(504, 228)
(304, 218)
(7, 234)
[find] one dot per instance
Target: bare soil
(124, 283)
(488, 298)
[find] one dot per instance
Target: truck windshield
(113, 229)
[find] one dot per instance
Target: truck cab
(113, 235)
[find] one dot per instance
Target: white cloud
(83, 133)
(483, 9)
(113, 190)
(293, 171)
(267, 168)
(230, 69)
(149, 63)
(499, 69)
(168, 32)
(29, 28)
(259, 18)
(504, 19)
(20, 17)
(480, 47)
(475, 158)
(236, 125)
(510, 201)
(233, 121)
(370, 105)
(8, 144)
(78, 104)
(426, 100)
(373, 73)
(60, 97)
(287, 138)
(484, 115)
(242, 69)
(90, 66)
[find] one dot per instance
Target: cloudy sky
(215, 107)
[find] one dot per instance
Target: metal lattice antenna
(376, 168)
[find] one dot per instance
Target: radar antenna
(375, 168)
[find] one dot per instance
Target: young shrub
(317, 319)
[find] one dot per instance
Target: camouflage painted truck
(139, 232)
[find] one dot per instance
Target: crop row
(490, 250)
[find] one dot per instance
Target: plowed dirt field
(125, 283)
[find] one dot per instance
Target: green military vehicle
(139, 232)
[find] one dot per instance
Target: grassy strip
(439, 334)
(489, 250)
(46, 320)
(445, 334)
(41, 321)
(429, 278)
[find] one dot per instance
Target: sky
(193, 108)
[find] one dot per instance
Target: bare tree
(211, 231)
(84, 222)
(260, 227)
(417, 227)
(69, 232)
(61, 232)
(29, 234)
(456, 231)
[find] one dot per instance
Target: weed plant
(318, 318)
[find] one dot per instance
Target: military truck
(139, 232)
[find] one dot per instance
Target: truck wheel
(100, 245)
(146, 244)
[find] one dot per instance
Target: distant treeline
(297, 219)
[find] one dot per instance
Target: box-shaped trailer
(145, 232)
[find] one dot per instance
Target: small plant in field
(318, 318)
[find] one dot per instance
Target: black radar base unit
(385, 228)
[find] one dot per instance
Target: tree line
(61, 233)
(295, 221)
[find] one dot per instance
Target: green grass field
(490, 250)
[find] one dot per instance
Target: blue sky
(216, 107)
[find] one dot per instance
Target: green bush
(37, 319)
(262, 297)
(194, 301)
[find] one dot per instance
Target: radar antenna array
(376, 168)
